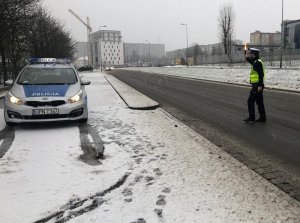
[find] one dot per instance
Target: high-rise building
(291, 34)
(258, 38)
(107, 48)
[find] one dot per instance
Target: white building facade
(107, 48)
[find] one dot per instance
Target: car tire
(10, 123)
(83, 120)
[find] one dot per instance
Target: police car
(47, 89)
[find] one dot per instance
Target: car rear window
(47, 76)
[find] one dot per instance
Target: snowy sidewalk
(172, 174)
(178, 176)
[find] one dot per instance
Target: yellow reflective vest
(254, 77)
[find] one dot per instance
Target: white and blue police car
(47, 89)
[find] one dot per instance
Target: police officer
(257, 76)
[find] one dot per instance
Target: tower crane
(89, 30)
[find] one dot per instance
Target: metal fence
(290, 58)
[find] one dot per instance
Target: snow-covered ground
(2, 124)
(172, 174)
(275, 78)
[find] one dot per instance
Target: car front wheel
(83, 120)
(10, 123)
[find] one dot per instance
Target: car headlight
(76, 98)
(13, 99)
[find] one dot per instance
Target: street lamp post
(100, 53)
(282, 35)
(148, 50)
(187, 43)
(84, 54)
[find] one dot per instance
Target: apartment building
(258, 38)
(106, 48)
(291, 33)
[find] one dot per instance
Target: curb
(132, 98)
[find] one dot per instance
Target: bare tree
(226, 27)
(15, 17)
(48, 37)
(196, 52)
(27, 29)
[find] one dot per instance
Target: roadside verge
(132, 98)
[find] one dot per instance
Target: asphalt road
(217, 110)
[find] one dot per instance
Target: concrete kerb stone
(133, 98)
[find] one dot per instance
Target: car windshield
(31, 76)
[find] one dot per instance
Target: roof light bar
(50, 60)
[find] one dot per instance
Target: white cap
(254, 49)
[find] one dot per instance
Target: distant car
(85, 68)
(109, 68)
(47, 89)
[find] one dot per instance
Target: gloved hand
(259, 88)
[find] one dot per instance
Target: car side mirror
(9, 83)
(85, 82)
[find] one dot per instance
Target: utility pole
(148, 50)
(89, 30)
(187, 43)
(100, 40)
(282, 35)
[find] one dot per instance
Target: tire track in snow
(91, 145)
(7, 136)
(71, 209)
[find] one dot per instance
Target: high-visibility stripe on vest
(254, 77)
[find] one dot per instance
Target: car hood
(30, 91)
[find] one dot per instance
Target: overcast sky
(159, 20)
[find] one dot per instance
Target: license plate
(49, 111)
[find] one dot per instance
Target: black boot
(249, 120)
(261, 119)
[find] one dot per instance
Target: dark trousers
(257, 97)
